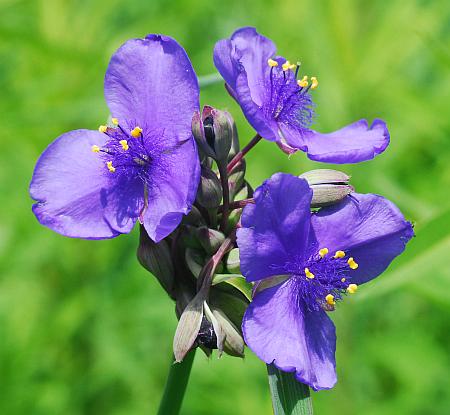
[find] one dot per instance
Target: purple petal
(151, 82)
(275, 227)
(224, 62)
(75, 193)
(354, 143)
(281, 331)
(171, 193)
(369, 228)
(242, 61)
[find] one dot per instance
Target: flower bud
(210, 239)
(233, 262)
(155, 257)
(213, 131)
(209, 194)
(188, 327)
(328, 186)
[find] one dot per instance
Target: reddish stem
(239, 156)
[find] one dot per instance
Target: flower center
(323, 279)
(289, 100)
(124, 153)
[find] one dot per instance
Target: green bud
(213, 131)
(236, 180)
(188, 327)
(210, 239)
(328, 186)
(209, 193)
(188, 237)
(194, 217)
(156, 258)
(233, 341)
(233, 263)
(194, 261)
(235, 147)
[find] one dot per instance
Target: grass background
(85, 330)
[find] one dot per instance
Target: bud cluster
(198, 264)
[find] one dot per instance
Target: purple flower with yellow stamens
(277, 102)
(305, 263)
(96, 184)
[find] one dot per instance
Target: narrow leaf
(289, 397)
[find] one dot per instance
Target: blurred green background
(85, 330)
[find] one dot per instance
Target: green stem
(289, 397)
(176, 386)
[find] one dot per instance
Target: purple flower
(319, 258)
(278, 104)
(96, 184)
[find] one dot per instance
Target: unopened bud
(194, 261)
(233, 262)
(194, 217)
(328, 186)
(234, 342)
(155, 257)
(209, 194)
(210, 239)
(236, 179)
(213, 131)
(188, 327)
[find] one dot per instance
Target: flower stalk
(176, 384)
(241, 154)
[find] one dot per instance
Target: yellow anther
(323, 252)
(136, 132)
(115, 121)
(352, 264)
(309, 274)
(102, 128)
(95, 148)
(314, 82)
(302, 83)
(110, 166)
(292, 66)
(339, 254)
(286, 66)
(351, 289)
(330, 299)
(124, 144)
(272, 63)
(343, 279)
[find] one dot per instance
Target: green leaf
(289, 397)
(235, 280)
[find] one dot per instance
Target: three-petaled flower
(96, 184)
(308, 262)
(277, 102)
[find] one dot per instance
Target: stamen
(309, 274)
(323, 252)
(314, 82)
(286, 66)
(330, 299)
(297, 69)
(339, 254)
(124, 144)
(103, 128)
(272, 63)
(136, 132)
(342, 279)
(115, 121)
(351, 289)
(95, 148)
(110, 166)
(303, 82)
(352, 264)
